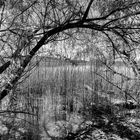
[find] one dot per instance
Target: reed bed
(64, 93)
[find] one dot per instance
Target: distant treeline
(52, 61)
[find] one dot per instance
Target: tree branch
(87, 10)
(4, 67)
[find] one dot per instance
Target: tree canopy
(26, 26)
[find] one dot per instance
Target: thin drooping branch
(120, 18)
(127, 55)
(125, 92)
(118, 9)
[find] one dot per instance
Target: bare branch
(4, 66)
(87, 11)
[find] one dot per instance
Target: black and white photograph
(69, 69)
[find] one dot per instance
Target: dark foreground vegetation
(106, 125)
